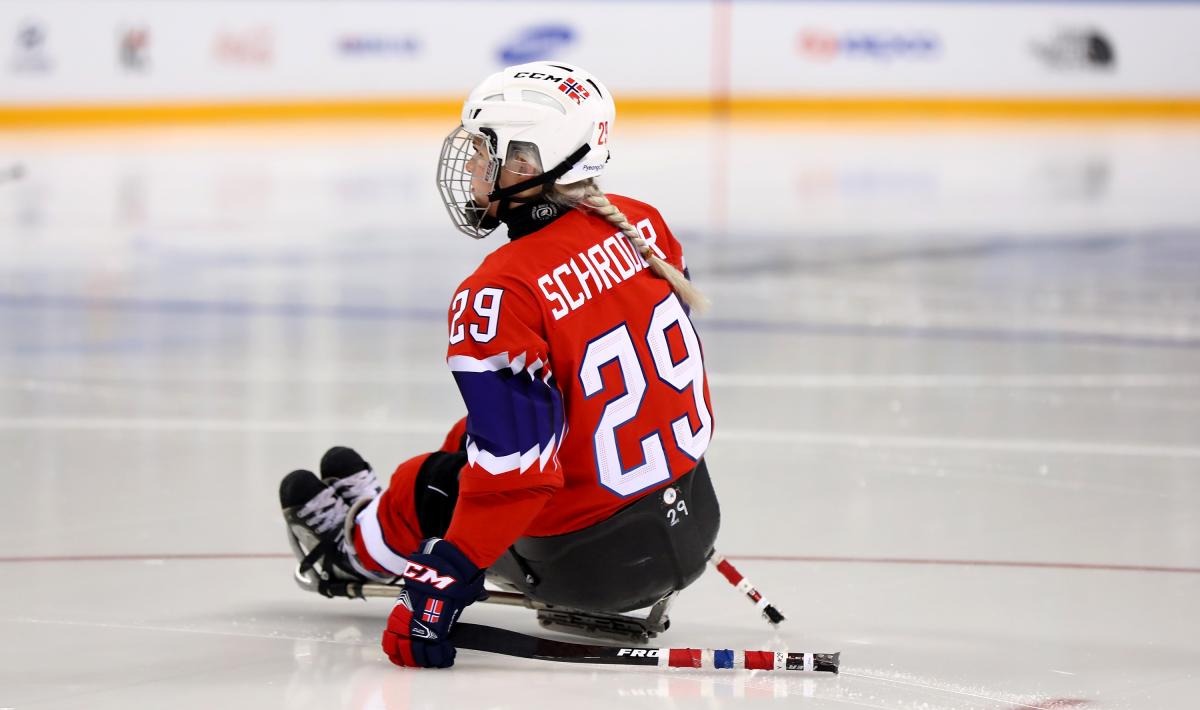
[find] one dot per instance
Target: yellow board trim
(983, 107)
(60, 115)
(631, 106)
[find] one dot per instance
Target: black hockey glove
(439, 583)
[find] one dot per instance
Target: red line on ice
(756, 558)
(968, 563)
(149, 557)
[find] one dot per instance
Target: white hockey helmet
(556, 110)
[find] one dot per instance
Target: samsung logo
(537, 42)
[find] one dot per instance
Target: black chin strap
(508, 193)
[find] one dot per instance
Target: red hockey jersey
(583, 378)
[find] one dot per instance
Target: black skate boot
(317, 523)
(350, 476)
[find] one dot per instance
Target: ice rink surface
(955, 369)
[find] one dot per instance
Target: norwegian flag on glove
(433, 611)
(438, 584)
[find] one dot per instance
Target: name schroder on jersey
(604, 265)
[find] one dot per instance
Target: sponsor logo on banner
(1087, 49)
(251, 47)
(379, 45)
(133, 48)
(29, 50)
(537, 42)
(825, 46)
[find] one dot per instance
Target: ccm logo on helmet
(537, 75)
(640, 652)
(427, 575)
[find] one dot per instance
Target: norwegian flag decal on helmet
(573, 89)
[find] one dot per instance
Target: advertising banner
(192, 50)
(1068, 49)
(137, 52)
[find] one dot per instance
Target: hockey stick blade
(512, 643)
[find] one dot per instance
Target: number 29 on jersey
(682, 375)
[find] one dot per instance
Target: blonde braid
(599, 202)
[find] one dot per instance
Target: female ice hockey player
(577, 477)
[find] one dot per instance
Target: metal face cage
(467, 166)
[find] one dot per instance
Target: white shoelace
(355, 487)
(325, 512)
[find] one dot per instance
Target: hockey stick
(511, 643)
(365, 590)
(369, 590)
(729, 572)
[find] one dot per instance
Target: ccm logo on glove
(427, 575)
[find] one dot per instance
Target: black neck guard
(528, 217)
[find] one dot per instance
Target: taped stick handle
(729, 572)
(490, 639)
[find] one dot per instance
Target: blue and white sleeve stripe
(514, 412)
